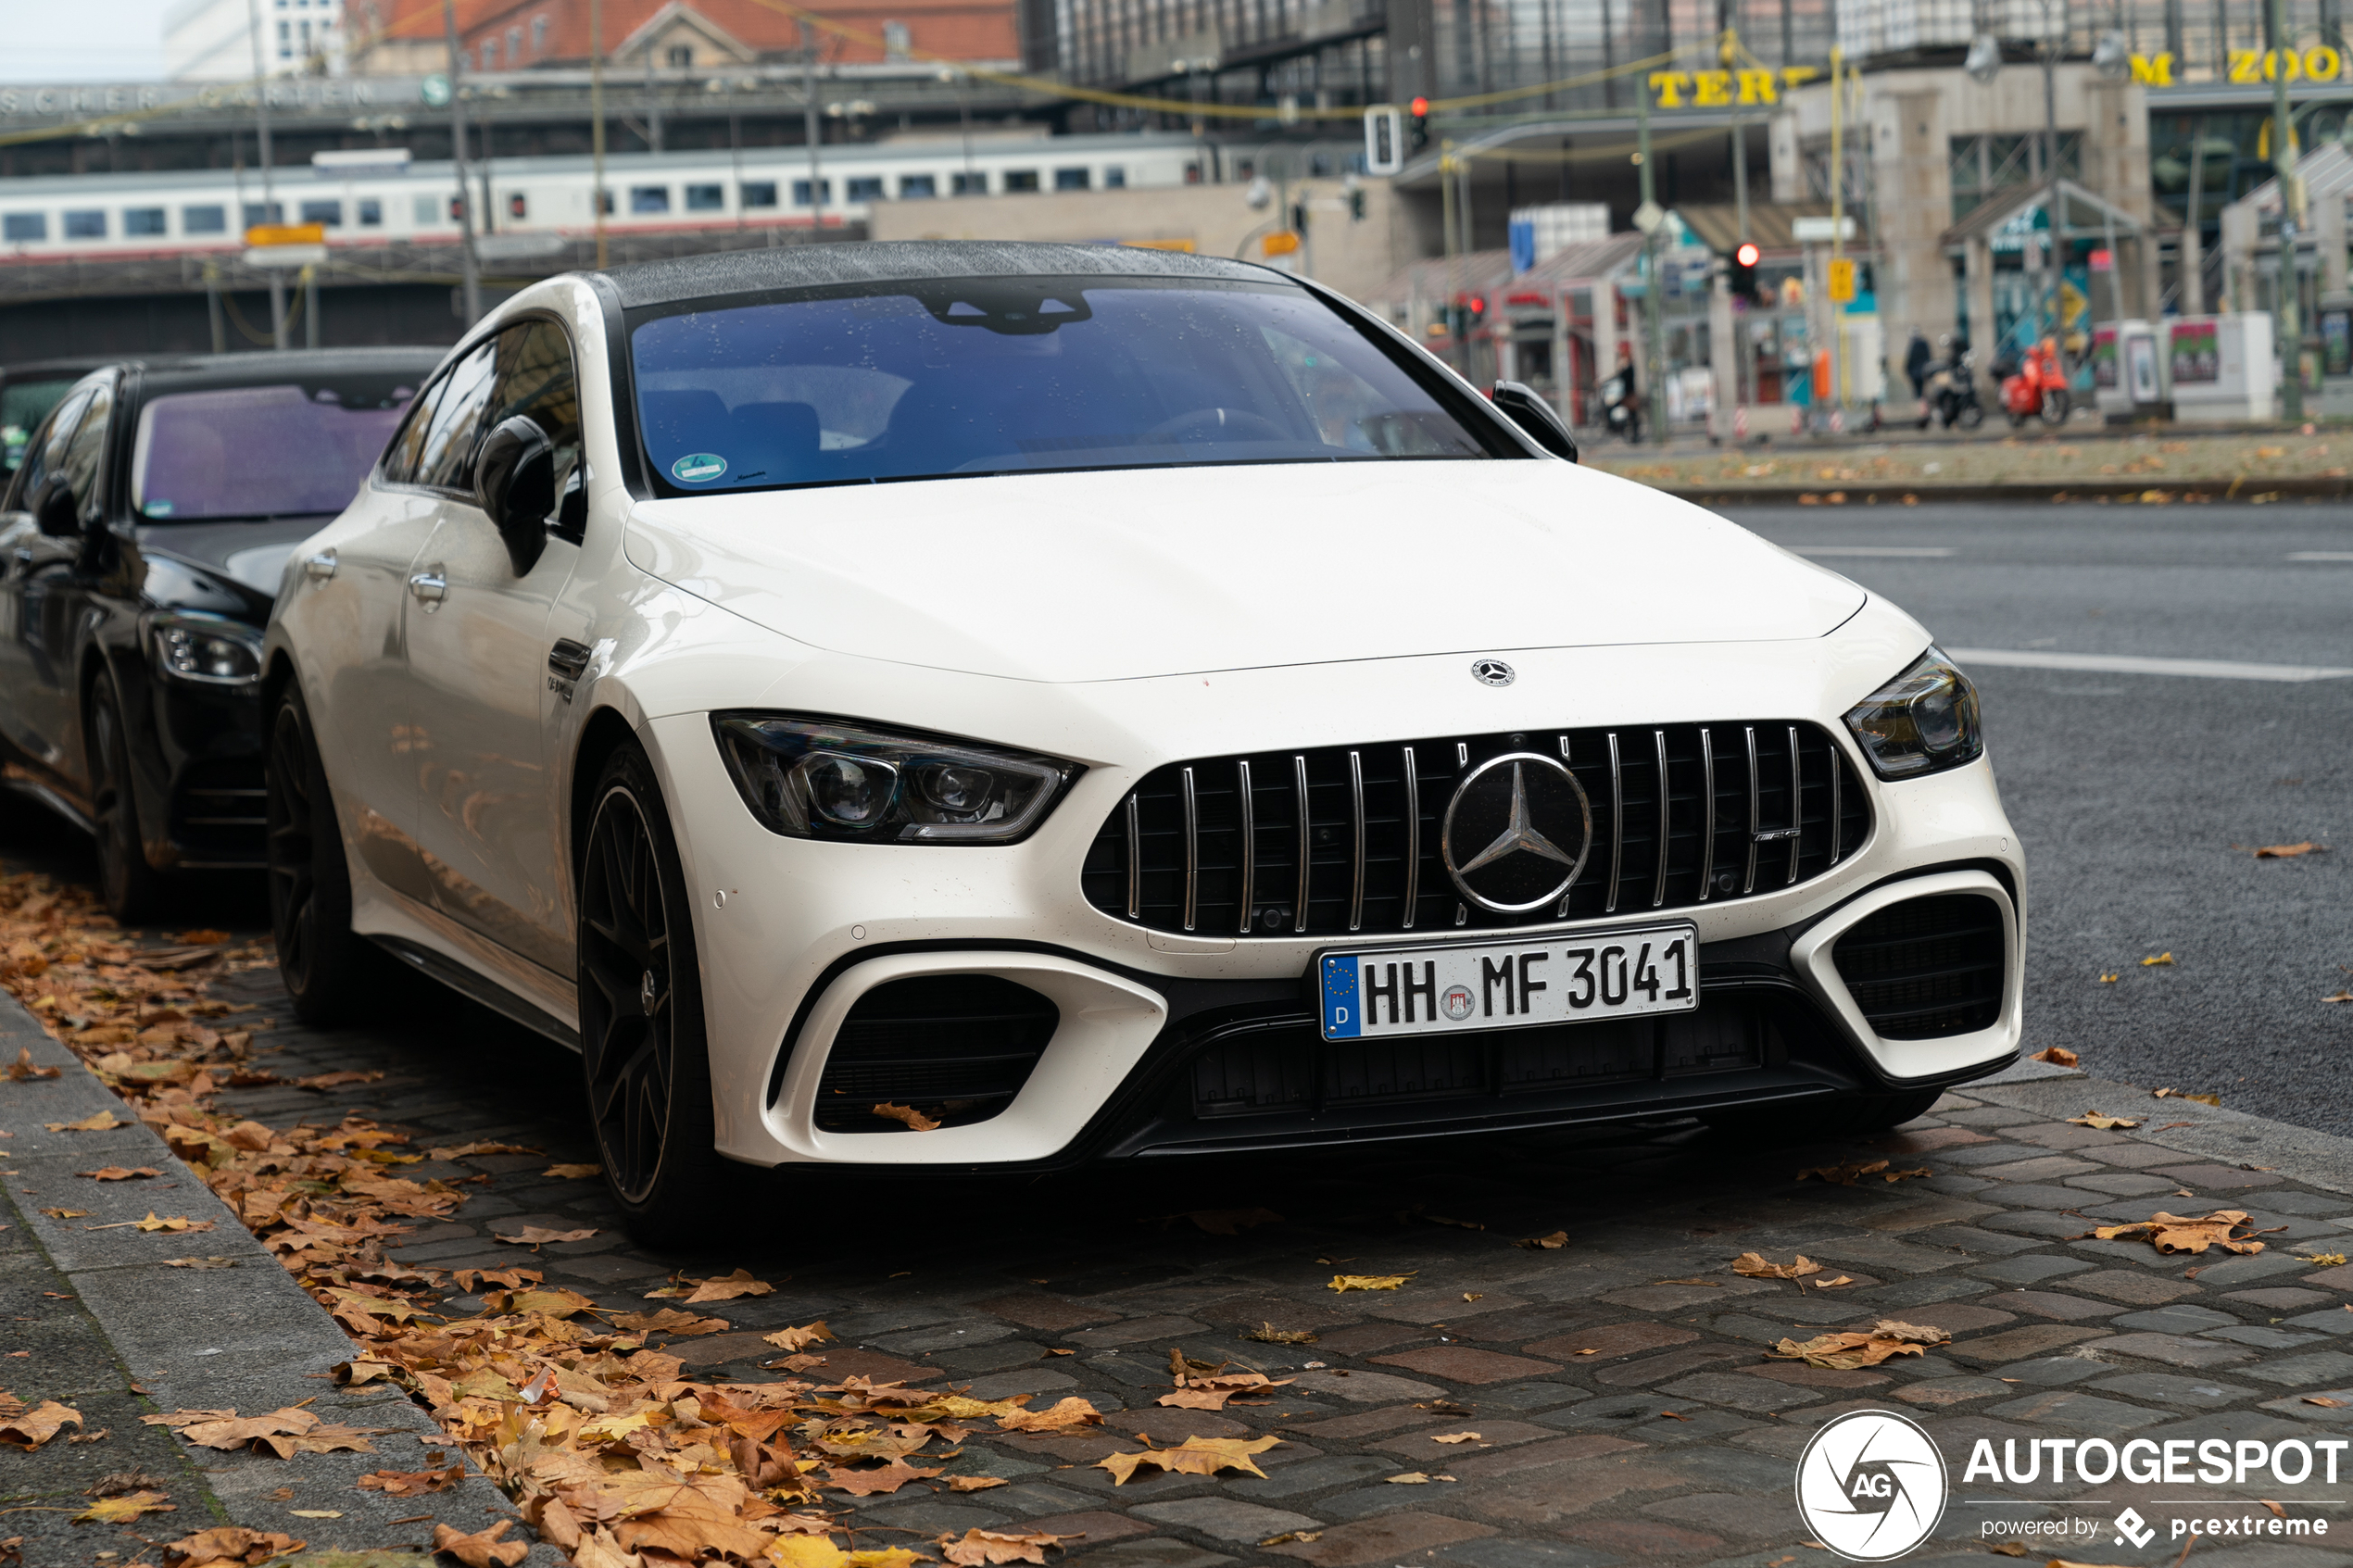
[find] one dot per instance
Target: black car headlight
(823, 777)
(1922, 721)
(206, 650)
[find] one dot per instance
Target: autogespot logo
(1871, 1485)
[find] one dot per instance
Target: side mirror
(54, 512)
(515, 481)
(1536, 417)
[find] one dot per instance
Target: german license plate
(1461, 987)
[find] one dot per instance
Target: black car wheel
(134, 891)
(641, 1023)
(329, 970)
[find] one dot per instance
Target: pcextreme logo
(1871, 1485)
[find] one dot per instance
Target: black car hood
(230, 568)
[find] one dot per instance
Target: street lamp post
(2288, 329)
(469, 270)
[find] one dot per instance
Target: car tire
(1839, 1116)
(134, 891)
(331, 971)
(641, 1021)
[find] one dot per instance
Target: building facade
(212, 40)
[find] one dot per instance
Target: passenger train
(363, 200)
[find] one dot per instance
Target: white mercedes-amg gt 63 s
(1000, 707)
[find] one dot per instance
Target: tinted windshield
(262, 451)
(1000, 375)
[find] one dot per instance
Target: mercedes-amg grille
(1360, 839)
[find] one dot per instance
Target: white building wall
(208, 40)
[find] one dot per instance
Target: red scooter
(2039, 389)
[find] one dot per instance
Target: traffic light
(1417, 124)
(1744, 259)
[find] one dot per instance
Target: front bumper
(1164, 1043)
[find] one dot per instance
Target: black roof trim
(253, 370)
(816, 266)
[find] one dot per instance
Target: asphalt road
(2139, 797)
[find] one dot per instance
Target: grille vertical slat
(1360, 856)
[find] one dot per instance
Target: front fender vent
(957, 1048)
(1926, 968)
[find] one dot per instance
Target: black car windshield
(262, 451)
(1009, 374)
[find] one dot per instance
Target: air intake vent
(957, 1048)
(1926, 968)
(1346, 839)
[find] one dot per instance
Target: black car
(144, 538)
(27, 394)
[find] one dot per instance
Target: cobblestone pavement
(1624, 1409)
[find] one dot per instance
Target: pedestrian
(1917, 359)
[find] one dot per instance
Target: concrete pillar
(2191, 265)
(1911, 172)
(1564, 367)
(1980, 263)
(2239, 232)
(1605, 339)
(1723, 361)
(2328, 232)
(1783, 151)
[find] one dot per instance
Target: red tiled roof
(956, 30)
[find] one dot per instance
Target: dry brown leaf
(1195, 1456)
(121, 1481)
(574, 1173)
(101, 1121)
(2184, 1094)
(468, 1150)
(2287, 851)
(28, 1429)
(480, 1551)
(2161, 960)
(1755, 1266)
(2058, 1056)
(974, 1483)
(323, 1081)
(2010, 1549)
(1552, 1243)
(978, 1547)
(2277, 1511)
(118, 1173)
(2324, 1402)
(2172, 1233)
(1844, 1353)
(1852, 1172)
(2340, 997)
(412, 1482)
(1411, 1478)
(1371, 1281)
(1267, 1334)
(536, 1237)
(671, 1321)
(23, 1068)
(1458, 1438)
(216, 1261)
(204, 937)
(799, 1338)
(916, 1120)
(737, 1285)
(67, 1213)
(2094, 1119)
(874, 1483)
(1071, 1413)
(229, 1543)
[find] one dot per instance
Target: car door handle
(569, 658)
(321, 567)
(430, 588)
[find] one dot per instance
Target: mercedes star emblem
(1516, 833)
(1493, 672)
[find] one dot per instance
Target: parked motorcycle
(1949, 397)
(2038, 389)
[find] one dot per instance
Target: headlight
(209, 651)
(822, 778)
(1922, 721)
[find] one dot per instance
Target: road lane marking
(2127, 664)
(2320, 555)
(1923, 551)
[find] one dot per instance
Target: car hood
(250, 555)
(1118, 575)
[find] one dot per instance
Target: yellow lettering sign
(1841, 281)
(1670, 85)
(2322, 63)
(2153, 71)
(1793, 76)
(1756, 87)
(2244, 69)
(2276, 60)
(1712, 89)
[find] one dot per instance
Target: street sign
(264, 236)
(433, 91)
(1282, 242)
(1649, 216)
(1820, 231)
(286, 255)
(1384, 140)
(1841, 281)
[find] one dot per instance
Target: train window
(801, 192)
(86, 225)
(706, 198)
(426, 213)
(258, 213)
(916, 188)
(204, 219)
(143, 221)
(1070, 179)
(650, 198)
(866, 190)
(757, 193)
(371, 213)
(329, 213)
(1020, 179)
(22, 226)
(972, 184)
(1114, 177)
(517, 206)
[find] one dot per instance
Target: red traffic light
(1747, 253)
(1420, 106)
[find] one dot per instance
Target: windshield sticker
(698, 468)
(157, 509)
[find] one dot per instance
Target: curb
(2216, 1133)
(247, 1336)
(2242, 489)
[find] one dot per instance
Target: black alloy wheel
(134, 891)
(330, 971)
(641, 1025)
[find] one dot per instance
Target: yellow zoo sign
(1724, 89)
(2252, 67)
